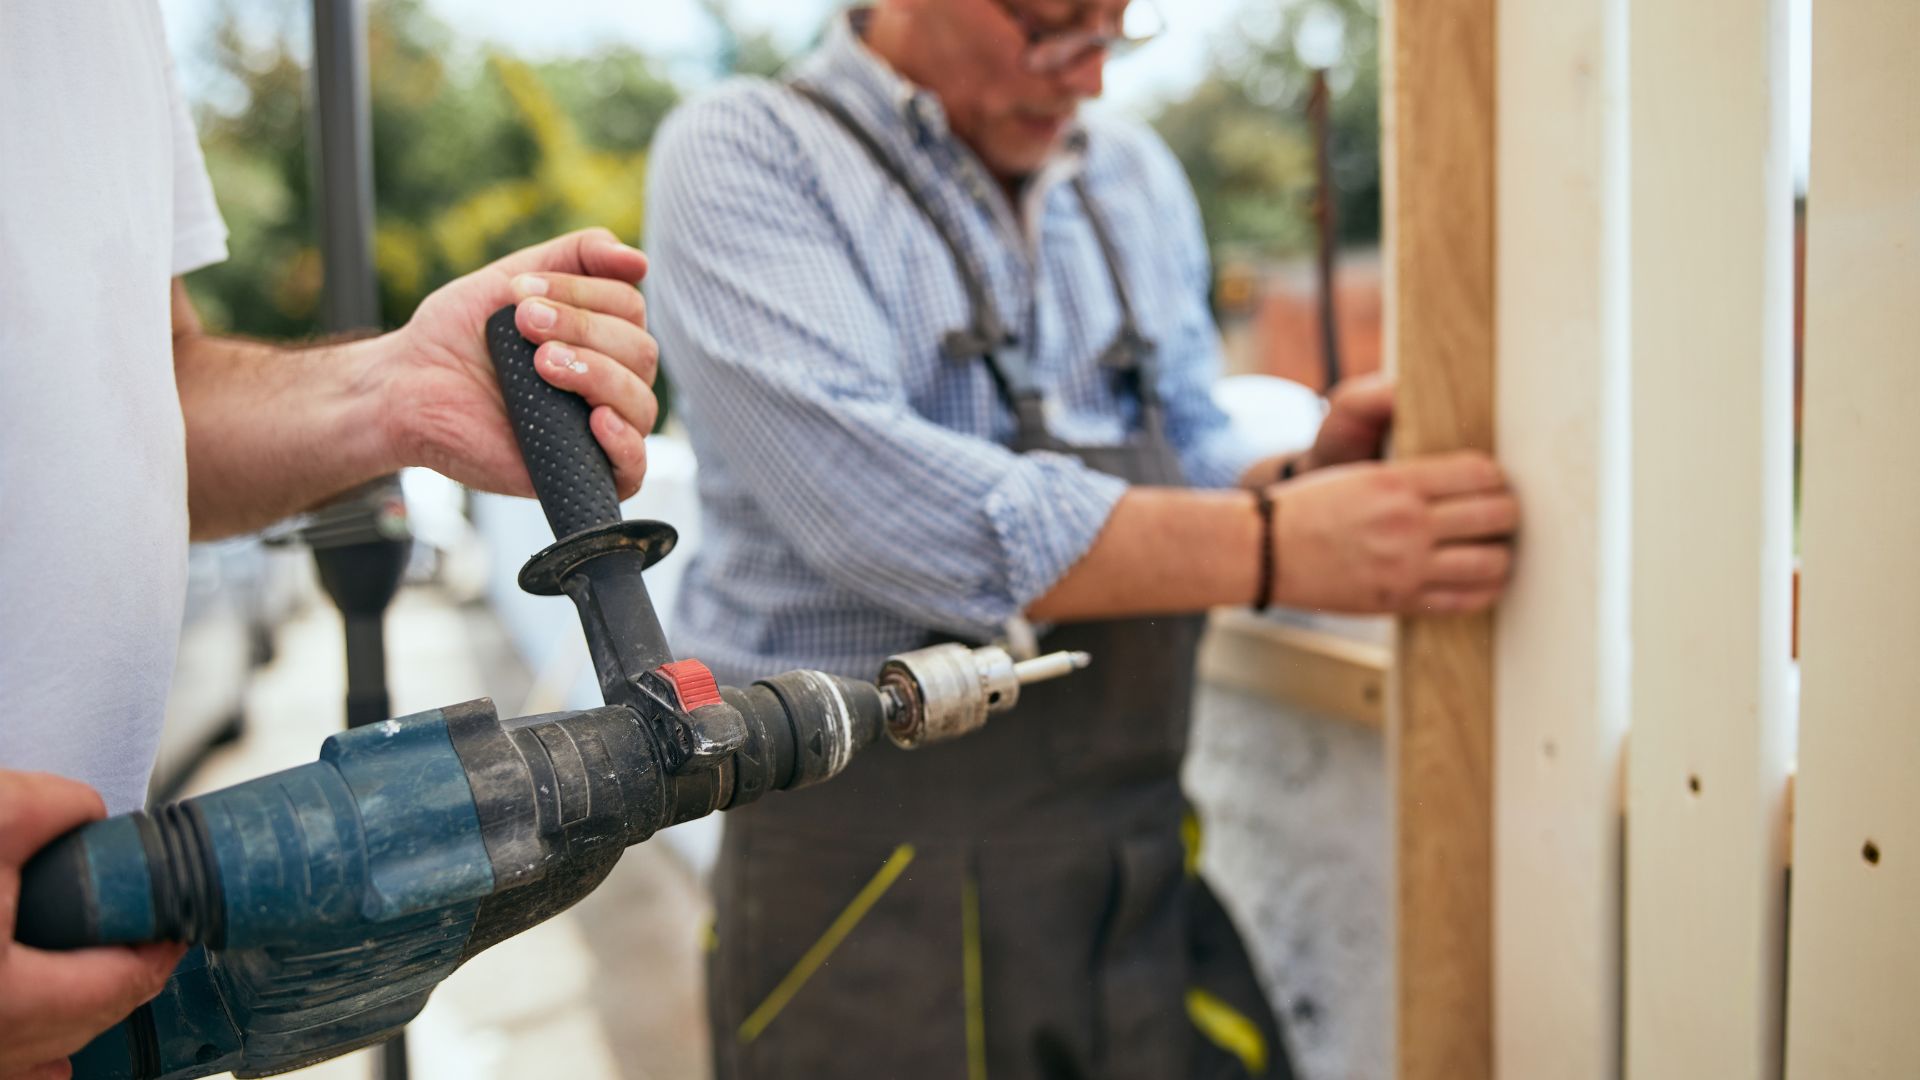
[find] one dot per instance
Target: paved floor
(1296, 843)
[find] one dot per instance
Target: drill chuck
(945, 691)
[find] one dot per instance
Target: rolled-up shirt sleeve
(788, 370)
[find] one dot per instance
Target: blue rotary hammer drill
(330, 899)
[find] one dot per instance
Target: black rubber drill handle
(57, 907)
(570, 472)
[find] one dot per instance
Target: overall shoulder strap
(987, 335)
(1130, 355)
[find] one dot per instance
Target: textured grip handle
(57, 907)
(570, 472)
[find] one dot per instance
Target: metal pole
(360, 542)
(1318, 102)
(343, 168)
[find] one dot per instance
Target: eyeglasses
(1053, 49)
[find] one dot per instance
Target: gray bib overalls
(1020, 903)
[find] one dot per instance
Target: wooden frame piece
(1314, 670)
(1711, 347)
(1855, 969)
(1560, 642)
(1439, 216)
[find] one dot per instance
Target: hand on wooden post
(1428, 536)
(1359, 416)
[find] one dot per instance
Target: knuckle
(1398, 487)
(527, 321)
(1407, 578)
(632, 454)
(1501, 563)
(1481, 563)
(139, 991)
(1398, 580)
(1409, 517)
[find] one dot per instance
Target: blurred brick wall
(1276, 330)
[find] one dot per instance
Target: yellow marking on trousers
(970, 976)
(817, 953)
(1190, 840)
(1229, 1029)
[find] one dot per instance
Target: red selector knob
(691, 680)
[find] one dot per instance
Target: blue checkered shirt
(856, 488)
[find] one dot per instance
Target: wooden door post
(1560, 642)
(1855, 972)
(1711, 346)
(1440, 294)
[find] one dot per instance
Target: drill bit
(1050, 666)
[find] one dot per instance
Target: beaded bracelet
(1264, 505)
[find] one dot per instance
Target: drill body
(331, 898)
(327, 901)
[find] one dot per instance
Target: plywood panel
(1853, 1009)
(1711, 217)
(1439, 212)
(1560, 642)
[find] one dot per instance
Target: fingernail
(529, 285)
(540, 316)
(561, 358)
(615, 424)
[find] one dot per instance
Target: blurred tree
(474, 154)
(1242, 133)
(257, 155)
(742, 51)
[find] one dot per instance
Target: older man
(945, 353)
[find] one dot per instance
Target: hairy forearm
(1163, 551)
(271, 430)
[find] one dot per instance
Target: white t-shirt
(103, 200)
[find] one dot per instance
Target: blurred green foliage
(477, 153)
(1243, 137)
(474, 154)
